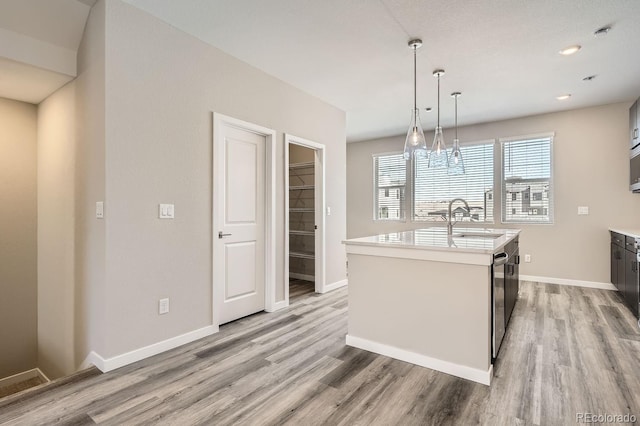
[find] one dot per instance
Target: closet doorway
(305, 216)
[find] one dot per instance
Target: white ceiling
(501, 54)
(38, 44)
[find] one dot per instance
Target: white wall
(56, 223)
(18, 252)
(590, 166)
(90, 271)
(162, 87)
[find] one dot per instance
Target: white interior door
(239, 238)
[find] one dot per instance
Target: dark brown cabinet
(617, 261)
(625, 274)
(511, 278)
(631, 283)
(634, 121)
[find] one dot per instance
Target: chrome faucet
(450, 222)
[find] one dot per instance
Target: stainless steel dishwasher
(497, 289)
(505, 278)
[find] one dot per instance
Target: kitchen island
(425, 297)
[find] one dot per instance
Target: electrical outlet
(163, 306)
(583, 210)
(99, 209)
(527, 258)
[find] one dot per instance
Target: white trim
(304, 277)
(278, 305)
(525, 137)
(566, 281)
(320, 207)
(463, 371)
(92, 359)
(135, 355)
(449, 256)
(21, 377)
(333, 286)
(219, 121)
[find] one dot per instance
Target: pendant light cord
(438, 100)
(456, 117)
(415, 89)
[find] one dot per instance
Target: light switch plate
(163, 306)
(583, 210)
(99, 209)
(166, 211)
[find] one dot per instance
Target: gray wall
(18, 210)
(56, 243)
(162, 87)
(90, 239)
(590, 166)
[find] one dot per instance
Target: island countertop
(465, 245)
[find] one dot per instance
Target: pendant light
(456, 164)
(415, 144)
(438, 157)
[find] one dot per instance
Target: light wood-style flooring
(568, 350)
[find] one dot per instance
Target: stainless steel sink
(486, 235)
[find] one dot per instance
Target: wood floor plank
(568, 350)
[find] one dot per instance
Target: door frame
(219, 122)
(319, 202)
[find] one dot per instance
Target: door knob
(221, 235)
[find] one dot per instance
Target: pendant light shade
(438, 157)
(415, 144)
(456, 163)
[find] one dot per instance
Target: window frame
(375, 186)
(503, 202)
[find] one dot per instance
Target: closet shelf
(292, 232)
(293, 188)
(302, 209)
(301, 165)
(301, 255)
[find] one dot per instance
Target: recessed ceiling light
(602, 31)
(563, 97)
(589, 78)
(570, 50)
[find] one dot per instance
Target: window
(527, 188)
(434, 188)
(389, 186)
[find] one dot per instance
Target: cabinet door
(631, 281)
(511, 285)
(633, 124)
(614, 265)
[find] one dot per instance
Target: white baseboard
(118, 361)
(304, 277)
(469, 373)
(565, 281)
(21, 377)
(277, 306)
(329, 287)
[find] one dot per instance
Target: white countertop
(630, 232)
(436, 240)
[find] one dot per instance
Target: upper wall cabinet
(634, 121)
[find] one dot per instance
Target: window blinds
(434, 188)
(527, 195)
(389, 186)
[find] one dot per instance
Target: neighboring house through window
(527, 185)
(389, 186)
